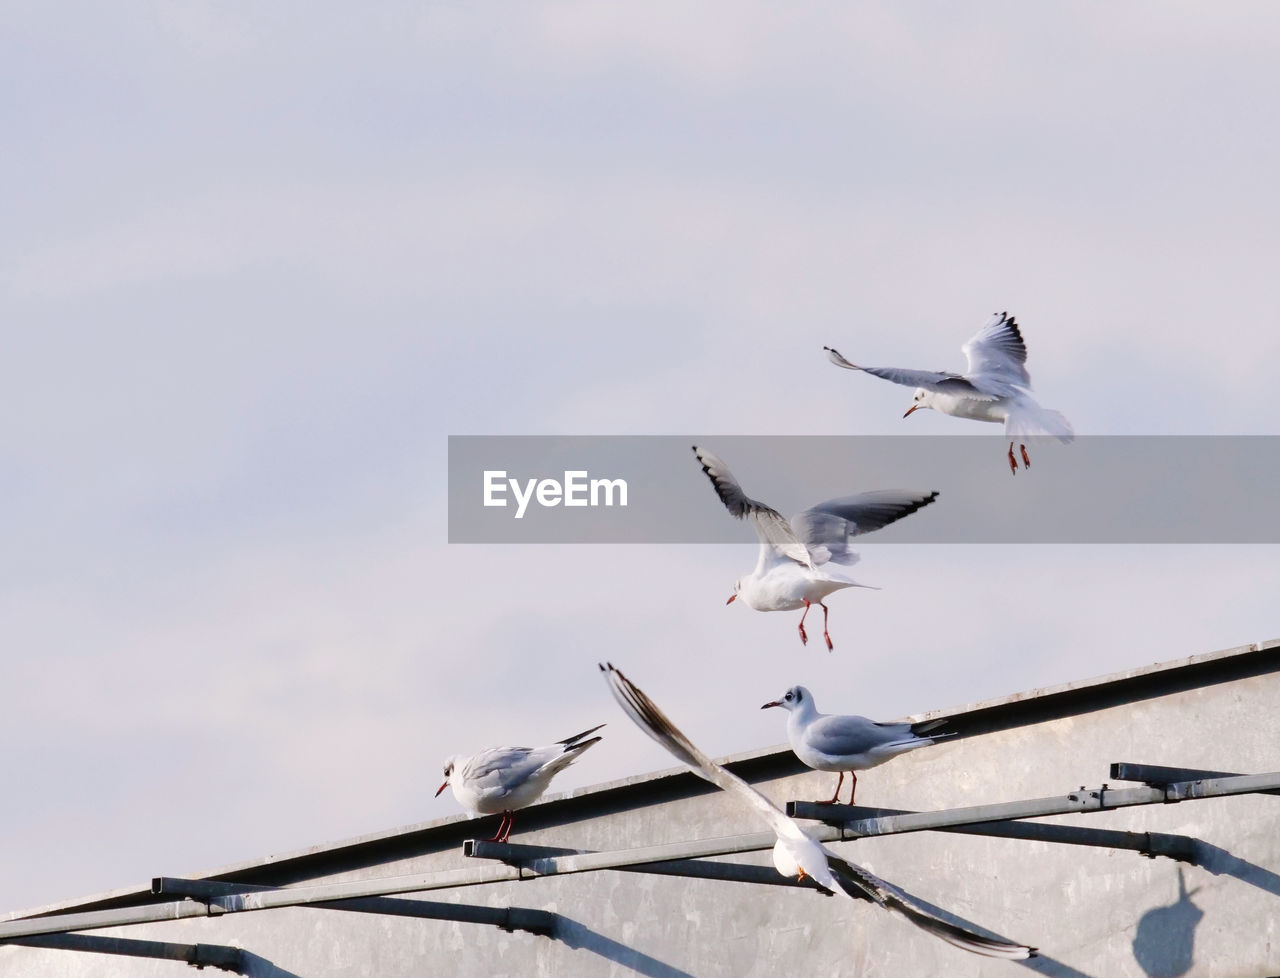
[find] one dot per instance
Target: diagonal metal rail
(1082, 801)
(509, 852)
(506, 918)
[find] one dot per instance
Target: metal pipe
(506, 918)
(692, 868)
(198, 955)
(1157, 775)
(1084, 800)
(1148, 843)
(95, 919)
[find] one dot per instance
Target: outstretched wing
(855, 880)
(771, 526)
(654, 722)
(825, 529)
(997, 357)
(942, 381)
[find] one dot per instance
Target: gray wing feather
(501, 766)
(771, 527)
(825, 529)
(837, 735)
(858, 882)
(942, 381)
(997, 357)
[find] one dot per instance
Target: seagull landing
(800, 559)
(794, 853)
(996, 387)
(826, 742)
(504, 779)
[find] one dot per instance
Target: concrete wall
(1095, 912)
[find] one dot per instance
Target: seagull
(794, 853)
(798, 557)
(827, 742)
(504, 779)
(996, 387)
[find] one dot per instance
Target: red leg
(1013, 462)
(835, 799)
(504, 829)
(804, 638)
(825, 610)
(853, 785)
(1026, 459)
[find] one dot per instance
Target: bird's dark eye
(790, 696)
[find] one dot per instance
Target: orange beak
(910, 409)
(441, 788)
(731, 597)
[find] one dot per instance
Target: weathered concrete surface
(1093, 912)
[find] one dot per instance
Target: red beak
(774, 703)
(731, 597)
(441, 788)
(910, 409)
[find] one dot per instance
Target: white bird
(504, 779)
(996, 387)
(828, 742)
(800, 559)
(794, 853)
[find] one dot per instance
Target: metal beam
(1075, 802)
(692, 868)
(94, 919)
(198, 955)
(506, 918)
(1148, 843)
(1158, 776)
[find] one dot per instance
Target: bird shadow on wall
(1165, 940)
(578, 936)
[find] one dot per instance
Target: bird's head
(792, 699)
(448, 774)
(920, 399)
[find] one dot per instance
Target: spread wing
(654, 722)
(997, 357)
(825, 529)
(855, 881)
(942, 381)
(771, 526)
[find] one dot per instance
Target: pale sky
(257, 262)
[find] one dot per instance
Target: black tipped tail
(571, 743)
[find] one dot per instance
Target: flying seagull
(827, 742)
(794, 853)
(801, 560)
(504, 779)
(996, 387)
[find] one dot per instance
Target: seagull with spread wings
(996, 387)
(801, 560)
(794, 853)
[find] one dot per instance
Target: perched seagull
(795, 854)
(996, 387)
(504, 779)
(827, 742)
(798, 558)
